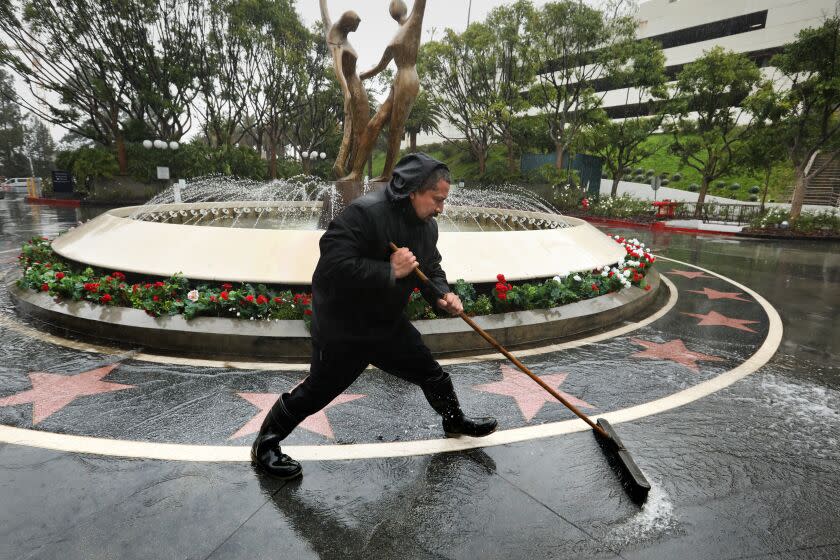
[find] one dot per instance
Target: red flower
(118, 275)
(647, 288)
(159, 284)
(249, 298)
(416, 290)
(91, 287)
(147, 286)
(502, 296)
(48, 265)
(59, 275)
(227, 286)
(134, 288)
(278, 300)
(45, 287)
(155, 298)
(224, 295)
(594, 287)
(501, 278)
(213, 299)
(307, 312)
(105, 298)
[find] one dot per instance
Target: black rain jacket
(355, 299)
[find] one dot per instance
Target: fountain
(227, 230)
(223, 230)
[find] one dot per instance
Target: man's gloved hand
(403, 262)
(451, 304)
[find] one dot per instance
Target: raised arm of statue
(419, 8)
(325, 16)
(387, 57)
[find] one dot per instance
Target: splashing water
(297, 202)
(655, 518)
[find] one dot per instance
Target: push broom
(630, 475)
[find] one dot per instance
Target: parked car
(17, 186)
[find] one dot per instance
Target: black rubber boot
(441, 395)
(265, 452)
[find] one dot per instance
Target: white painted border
(217, 453)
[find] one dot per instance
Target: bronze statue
(396, 109)
(356, 103)
(360, 131)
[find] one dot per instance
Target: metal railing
(713, 212)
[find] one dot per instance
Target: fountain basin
(117, 241)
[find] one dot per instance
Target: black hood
(410, 173)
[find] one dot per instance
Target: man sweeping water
(359, 292)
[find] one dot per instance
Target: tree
(706, 116)
(514, 69)
(461, 78)
(100, 66)
(315, 123)
(424, 118)
(40, 147)
(622, 143)
(12, 161)
(574, 47)
(805, 102)
(762, 151)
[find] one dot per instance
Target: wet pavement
(748, 470)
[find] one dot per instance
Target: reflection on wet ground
(747, 472)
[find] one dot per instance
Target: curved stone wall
(115, 241)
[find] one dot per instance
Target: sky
(377, 27)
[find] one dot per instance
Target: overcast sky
(377, 27)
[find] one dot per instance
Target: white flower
(558, 279)
(238, 314)
(604, 274)
(577, 278)
(626, 274)
(193, 295)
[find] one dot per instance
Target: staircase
(824, 188)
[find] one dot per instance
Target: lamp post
(163, 171)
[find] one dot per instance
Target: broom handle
(511, 357)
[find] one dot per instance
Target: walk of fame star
(317, 423)
(529, 396)
(51, 392)
(713, 318)
(674, 351)
(714, 294)
(688, 274)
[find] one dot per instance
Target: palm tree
(424, 117)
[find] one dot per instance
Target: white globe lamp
(323, 155)
(147, 144)
(174, 145)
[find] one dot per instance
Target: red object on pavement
(665, 208)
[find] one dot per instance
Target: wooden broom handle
(511, 357)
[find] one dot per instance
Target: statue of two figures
(360, 129)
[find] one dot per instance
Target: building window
(713, 30)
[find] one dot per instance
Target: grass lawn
(463, 166)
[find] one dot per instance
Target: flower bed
(777, 222)
(43, 270)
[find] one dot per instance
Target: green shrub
(640, 171)
(720, 184)
(754, 189)
(650, 172)
(734, 187)
(677, 176)
(753, 198)
(694, 187)
(665, 181)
